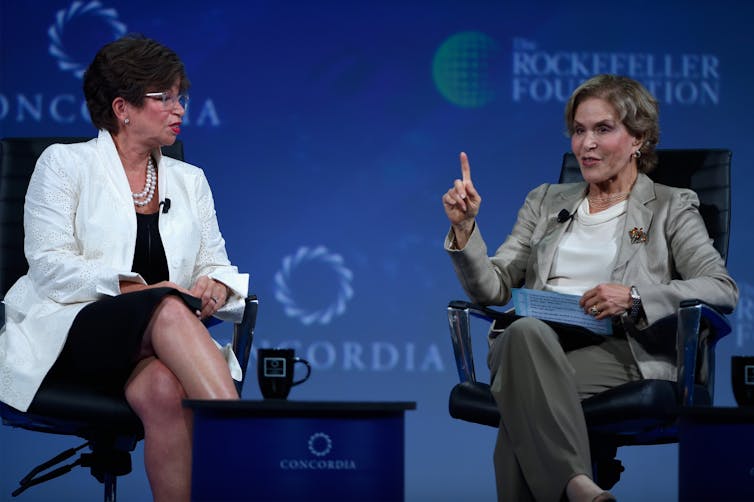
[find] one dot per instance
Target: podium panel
(716, 454)
(287, 450)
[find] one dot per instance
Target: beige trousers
(542, 440)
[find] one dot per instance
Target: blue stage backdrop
(329, 131)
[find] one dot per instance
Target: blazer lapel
(569, 199)
(113, 167)
(638, 216)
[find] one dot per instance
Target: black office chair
(106, 422)
(637, 413)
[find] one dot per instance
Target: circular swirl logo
(313, 285)
(465, 69)
(320, 444)
(79, 13)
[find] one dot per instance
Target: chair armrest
(473, 402)
(503, 319)
(460, 336)
(571, 336)
(459, 322)
(690, 344)
(243, 337)
(715, 317)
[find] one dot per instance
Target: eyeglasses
(168, 100)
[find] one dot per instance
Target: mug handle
(308, 370)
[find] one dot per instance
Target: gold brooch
(637, 235)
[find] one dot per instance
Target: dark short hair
(635, 105)
(129, 67)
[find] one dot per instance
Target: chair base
(104, 463)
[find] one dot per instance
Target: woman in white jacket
(99, 248)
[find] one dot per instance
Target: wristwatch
(635, 304)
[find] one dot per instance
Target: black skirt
(105, 338)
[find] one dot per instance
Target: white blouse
(587, 251)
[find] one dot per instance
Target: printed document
(557, 307)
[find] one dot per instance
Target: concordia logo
(109, 16)
(332, 274)
(88, 24)
(320, 445)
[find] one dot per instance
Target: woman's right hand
(462, 203)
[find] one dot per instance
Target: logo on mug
(274, 367)
(749, 375)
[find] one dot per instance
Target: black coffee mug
(742, 378)
(275, 372)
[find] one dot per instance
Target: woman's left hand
(606, 300)
(213, 294)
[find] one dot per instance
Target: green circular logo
(463, 69)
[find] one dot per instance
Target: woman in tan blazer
(630, 248)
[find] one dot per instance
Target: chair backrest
(705, 171)
(18, 157)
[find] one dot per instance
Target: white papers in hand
(557, 307)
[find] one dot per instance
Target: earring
(637, 154)
(126, 121)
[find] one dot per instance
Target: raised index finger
(465, 167)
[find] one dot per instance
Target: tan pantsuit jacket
(676, 262)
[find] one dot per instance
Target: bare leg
(155, 395)
(178, 360)
(177, 337)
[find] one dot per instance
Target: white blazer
(80, 235)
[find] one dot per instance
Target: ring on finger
(594, 310)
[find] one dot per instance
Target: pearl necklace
(599, 203)
(149, 186)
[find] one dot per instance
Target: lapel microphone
(564, 216)
(166, 207)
